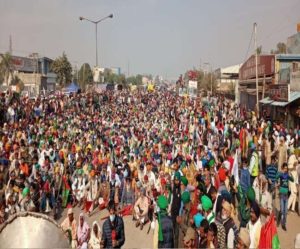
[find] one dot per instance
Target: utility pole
(211, 83)
(83, 77)
(128, 65)
(256, 69)
(264, 84)
(10, 44)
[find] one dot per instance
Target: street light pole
(256, 69)
(96, 44)
(81, 18)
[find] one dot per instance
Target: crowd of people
(199, 174)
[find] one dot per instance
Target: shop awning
(266, 100)
(278, 103)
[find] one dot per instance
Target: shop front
(247, 80)
(282, 105)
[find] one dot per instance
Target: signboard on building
(24, 64)
(116, 70)
(265, 66)
(193, 84)
(193, 88)
(280, 92)
(295, 81)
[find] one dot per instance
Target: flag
(127, 210)
(102, 203)
(235, 169)
(268, 235)
(89, 206)
(150, 87)
(65, 195)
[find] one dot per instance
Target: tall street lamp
(81, 18)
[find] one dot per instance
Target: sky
(158, 37)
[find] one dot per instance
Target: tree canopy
(207, 80)
(280, 48)
(63, 69)
(110, 77)
(135, 80)
(85, 75)
(6, 67)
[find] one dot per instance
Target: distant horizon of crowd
(202, 174)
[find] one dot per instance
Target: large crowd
(197, 173)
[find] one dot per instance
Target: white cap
(70, 211)
(227, 165)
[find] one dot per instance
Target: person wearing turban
(83, 232)
(164, 223)
(198, 219)
(245, 200)
(184, 218)
(141, 209)
(78, 186)
(69, 226)
(26, 202)
(175, 203)
(254, 225)
(92, 188)
(225, 218)
(243, 239)
(207, 207)
(184, 183)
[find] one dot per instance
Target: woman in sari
(95, 239)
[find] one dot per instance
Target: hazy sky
(164, 37)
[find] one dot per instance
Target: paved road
(135, 238)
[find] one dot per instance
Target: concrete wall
(33, 81)
(295, 81)
(293, 44)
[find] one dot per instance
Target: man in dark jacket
(165, 225)
(113, 235)
(175, 205)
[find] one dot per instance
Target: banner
(279, 92)
(193, 84)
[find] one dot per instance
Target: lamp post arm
(86, 19)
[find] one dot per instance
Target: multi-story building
(247, 79)
(35, 73)
(293, 42)
(227, 81)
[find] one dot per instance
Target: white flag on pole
(235, 168)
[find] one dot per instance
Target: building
(287, 70)
(247, 79)
(116, 70)
(227, 80)
(99, 71)
(282, 101)
(282, 105)
(35, 73)
(293, 42)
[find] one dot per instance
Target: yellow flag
(150, 87)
